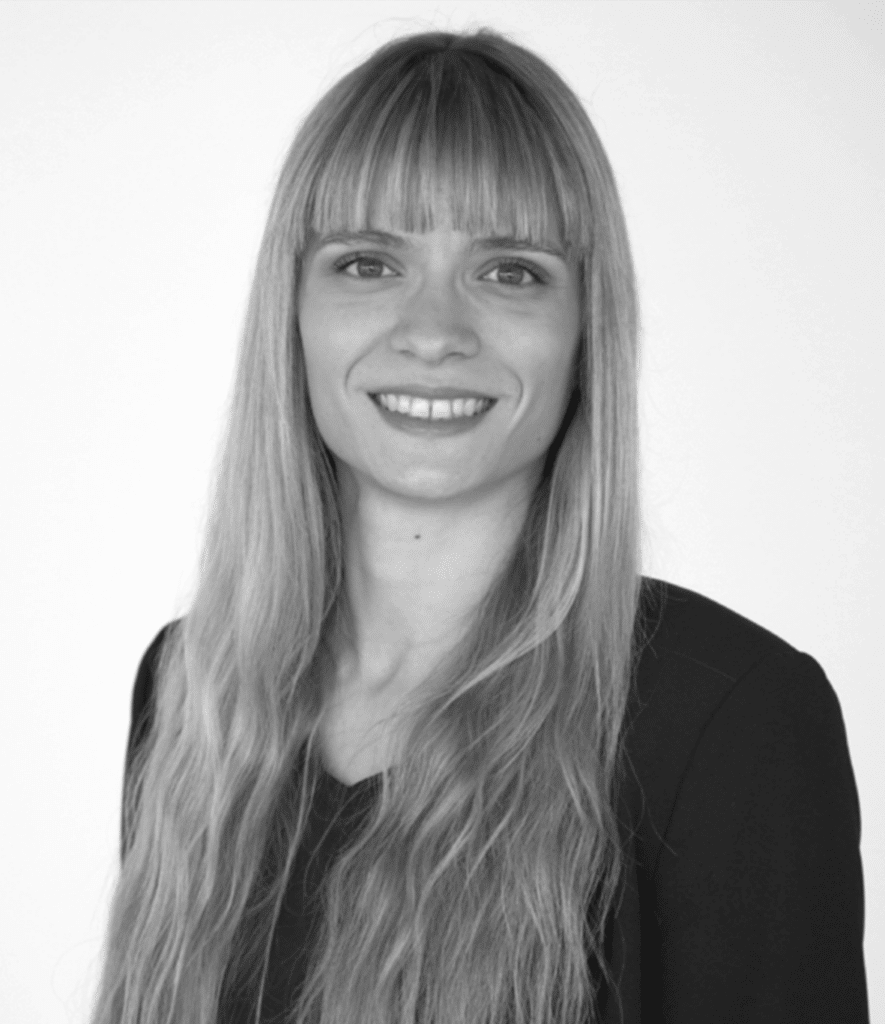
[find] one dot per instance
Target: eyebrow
(398, 242)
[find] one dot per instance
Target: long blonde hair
(479, 887)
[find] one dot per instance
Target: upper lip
(419, 391)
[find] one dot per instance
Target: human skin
(428, 518)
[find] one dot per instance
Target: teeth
(437, 408)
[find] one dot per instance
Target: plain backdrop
(139, 146)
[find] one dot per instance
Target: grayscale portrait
(446, 483)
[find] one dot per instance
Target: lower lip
(416, 425)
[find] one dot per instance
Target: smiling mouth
(433, 408)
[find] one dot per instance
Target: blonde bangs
(453, 144)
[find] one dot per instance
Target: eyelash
(345, 261)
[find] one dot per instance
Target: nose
(434, 325)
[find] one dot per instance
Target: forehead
(385, 197)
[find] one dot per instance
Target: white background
(139, 145)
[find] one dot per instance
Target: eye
(510, 268)
(517, 268)
(351, 260)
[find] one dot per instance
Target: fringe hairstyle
(479, 887)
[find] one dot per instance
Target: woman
(427, 746)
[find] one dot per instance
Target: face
(430, 320)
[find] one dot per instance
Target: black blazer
(743, 898)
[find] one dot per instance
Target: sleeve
(759, 887)
(141, 720)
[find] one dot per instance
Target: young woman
(427, 746)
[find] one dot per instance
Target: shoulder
(692, 652)
(676, 622)
(141, 720)
(719, 695)
(143, 691)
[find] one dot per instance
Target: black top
(744, 896)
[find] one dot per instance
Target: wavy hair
(478, 888)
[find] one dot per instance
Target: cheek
(320, 376)
(330, 339)
(549, 374)
(319, 349)
(547, 403)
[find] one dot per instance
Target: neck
(414, 573)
